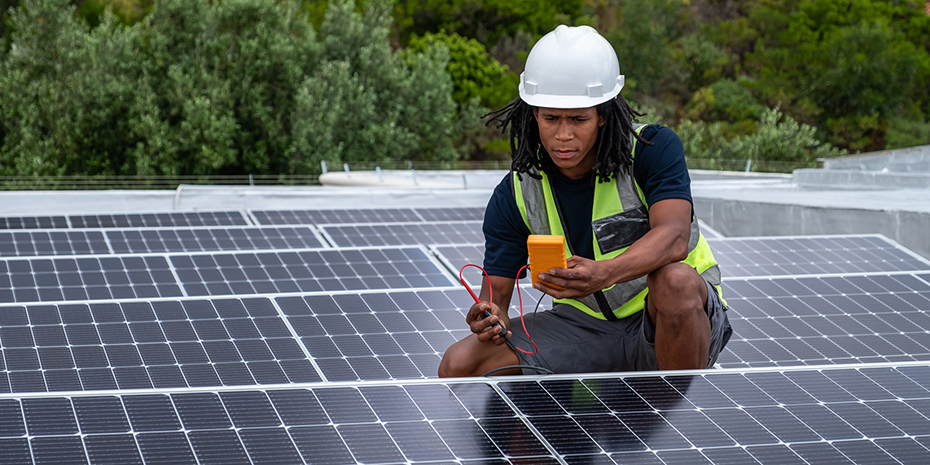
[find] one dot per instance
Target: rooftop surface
(305, 325)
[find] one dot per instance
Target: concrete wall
(753, 218)
(860, 179)
(908, 160)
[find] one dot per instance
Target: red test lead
(487, 313)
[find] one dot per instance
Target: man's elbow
(679, 250)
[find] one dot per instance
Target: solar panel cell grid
(211, 239)
(33, 243)
(142, 345)
(87, 278)
(343, 216)
(404, 234)
(811, 255)
(830, 320)
(33, 222)
(792, 416)
(152, 220)
(307, 271)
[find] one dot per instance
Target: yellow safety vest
(618, 218)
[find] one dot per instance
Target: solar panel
(335, 216)
(381, 336)
(455, 256)
(387, 234)
(788, 256)
(155, 240)
(273, 272)
(52, 242)
(145, 345)
(33, 222)
(868, 415)
(827, 320)
(451, 214)
(140, 241)
(317, 270)
(86, 278)
(368, 215)
(153, 220)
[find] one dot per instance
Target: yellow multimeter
(546, 252)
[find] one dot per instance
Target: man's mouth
(564, 153)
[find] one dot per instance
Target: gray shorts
(571, 341)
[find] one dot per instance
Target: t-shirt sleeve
(660, 169)
(504, 233)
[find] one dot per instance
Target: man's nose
(564, 131)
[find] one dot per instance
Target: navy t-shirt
(660, 171)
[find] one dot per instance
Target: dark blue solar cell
(49, 416)
(200, 375)
(165, 448)
(132, 378)
(55, 358)
(218, 447)
(13, 316)
(201, 411)
(11, 419)
(100, 415)
(115, 449)
(160, 354)
(269, 445)
(249, 409)
(57, 450)
(169, 310)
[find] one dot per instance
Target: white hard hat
(571, 67)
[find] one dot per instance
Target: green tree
(475, 74)
(202, 87)
(777, 138)
(366, 102)
(67, 92)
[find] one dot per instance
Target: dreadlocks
(614, 147)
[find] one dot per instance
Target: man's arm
(666, 242)
(485, 327)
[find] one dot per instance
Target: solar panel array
(314, 336)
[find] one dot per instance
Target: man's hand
(485, 328)
(581, 277)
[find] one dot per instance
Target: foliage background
(172, 87)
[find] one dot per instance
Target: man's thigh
(570, 341)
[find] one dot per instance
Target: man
(641, 286)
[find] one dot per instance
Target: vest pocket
(619, 231)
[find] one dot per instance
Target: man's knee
(676, 288)
(454, 363)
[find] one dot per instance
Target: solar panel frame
(813, 255)
(396, 234)
(106, 277)
(367, 215)
(150, 344)
(830, 319)
(161, 219)
(97, 241)
(780, 416)
(377, 336)
(34, 222)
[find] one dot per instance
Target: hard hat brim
(566, 101)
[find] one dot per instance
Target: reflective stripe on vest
(621, 194)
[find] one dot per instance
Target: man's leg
(677, 297)
(471, 357)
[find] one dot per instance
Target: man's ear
(536, 113)
(601, 121)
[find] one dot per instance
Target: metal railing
(755, 166)
(9, 183)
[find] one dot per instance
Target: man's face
(568, 135)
